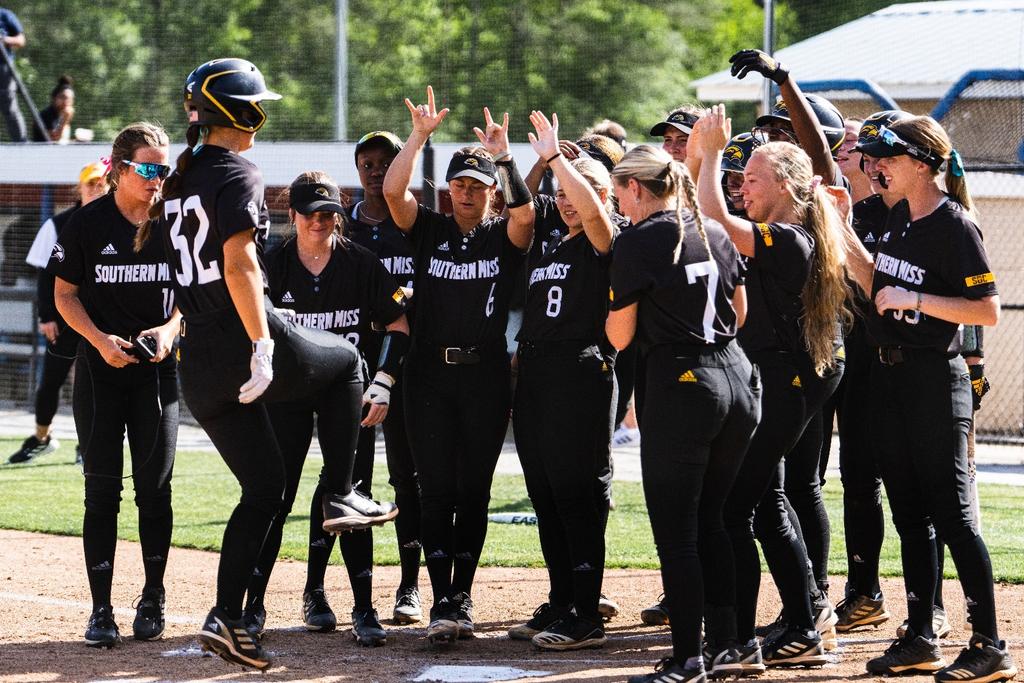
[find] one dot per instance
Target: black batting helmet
(227, 92)
(737, 153)
(828, 116)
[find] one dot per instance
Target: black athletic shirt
(222, 194)
(122, 291)
(44, 285)
(392, 246)
(567, 293)
(676, 301)
(463, 282)
(869, 216)
(353, 290)
(940, 254)
(775, 280)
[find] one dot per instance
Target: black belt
(894, 355)
(456, 355)
(529, 349)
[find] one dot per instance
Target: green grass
(46, 496)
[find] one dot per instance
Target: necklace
(361, 208)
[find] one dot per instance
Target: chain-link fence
(586, 59)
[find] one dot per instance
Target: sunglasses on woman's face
(150, 171)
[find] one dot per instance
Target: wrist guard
(513, 188)
(392, 353)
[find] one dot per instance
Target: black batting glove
(745, 61)
(979, 384)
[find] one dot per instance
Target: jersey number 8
(554, 301)
(185, 274)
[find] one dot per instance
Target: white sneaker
(624, 436)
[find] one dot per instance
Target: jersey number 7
(186, 257)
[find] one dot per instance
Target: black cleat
(794, 647)
(773, 629)
(859, 611)
(656, 614)
(32, 448)
(229, 639)
(911, 654)
(255, 617)
(571, 633)
(149, 616)
(366, 628)
(544, 617)
(317, 614)
(464, 614)
(669, 670)
(444, 622)
(354, 511)
(407, 606)
(980, 662)
(751, 661)
(101, 630)
(724, 663)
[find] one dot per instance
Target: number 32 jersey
(221, 195)
(687, 302)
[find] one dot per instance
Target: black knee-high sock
(940, 567)
(321, 544)
(243, 538)
(409, 557)
(974, 567)
(155, 539)
(357, 551)
(99, 539)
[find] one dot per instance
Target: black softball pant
(562, 423)
(863, 518)
(757, 504)
(456, 416)
(403, 479)
(922, 413)
(308, 365)
(625, 378)
(700, 410)
(802, 484)
(60, 356)
(142, 400)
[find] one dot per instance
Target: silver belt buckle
(447, 351)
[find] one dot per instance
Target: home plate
(476, 674)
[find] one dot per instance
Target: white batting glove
(379, 392)
(262, 366)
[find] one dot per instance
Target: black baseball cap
(379, 138)
(471, 166)
(312, 197)
(681, 120)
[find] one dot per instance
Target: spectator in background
(57, 117)
(11, 37)
(62, 341)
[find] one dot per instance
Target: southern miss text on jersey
(353, 290)
(775, 281)
(939, 254)
(222, 194)
(122, 291)
(463, 282)
(687, 302)
(391, 245)
(567, 293)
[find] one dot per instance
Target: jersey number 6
(179, 209)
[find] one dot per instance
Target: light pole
(341, 71)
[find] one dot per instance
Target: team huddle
(744, 289)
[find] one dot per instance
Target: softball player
(797, 292)
(120, 302)
(328, 283)
(563, 400)
(369, 224)
(213, 221)
(676, 286)
(62, 341)
(457, 372)
(929, 275)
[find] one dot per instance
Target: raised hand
(545, 143)
(493, 137)
(713, 130)
(745, 61)
(425, 117)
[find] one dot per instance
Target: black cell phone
(144, 347)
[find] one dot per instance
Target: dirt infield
(44, 604)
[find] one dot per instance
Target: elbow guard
(392, 353)
(513, 188)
